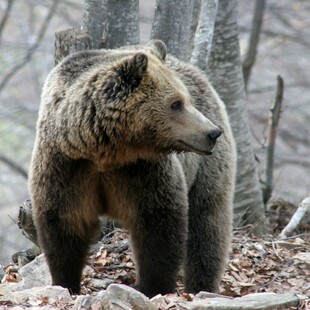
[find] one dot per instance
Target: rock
(34, 274)
(204, 294)
(102, 298)
(2, 273)
(83, 302)
(126, 297)
(99, 302)
(100, 284)
(304, 257)
(159, 301)
(259, 301)
(38, 295)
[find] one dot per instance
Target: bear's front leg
(159, 227)
(64, 195)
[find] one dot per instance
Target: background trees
(27, 38)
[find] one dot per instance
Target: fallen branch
(303, 208)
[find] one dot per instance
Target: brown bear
(132, 134)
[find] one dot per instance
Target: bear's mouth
(191, 148)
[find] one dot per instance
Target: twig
(33, 48)
(15, 166)
(275, 111)
(5, 17)
(303, 208)
(112, 267)
(254, 39)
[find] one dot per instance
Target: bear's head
(148, 110)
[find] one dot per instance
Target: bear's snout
(214, 134)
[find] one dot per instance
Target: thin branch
(33, 48)
(5, 17)
(15, 166)
(254, 39)
(275, 111)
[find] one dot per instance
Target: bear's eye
(177, 105)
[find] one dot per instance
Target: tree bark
(204, 34)
(70, 41)
(172, 24)
(95, 20)
(225, 73)
(123, 23)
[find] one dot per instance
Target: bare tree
(14, 166)
(5, 16)
(275, 111)
(225, 73)
(32, 49)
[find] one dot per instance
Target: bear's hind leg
(209, 237)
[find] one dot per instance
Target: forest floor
(256, 265)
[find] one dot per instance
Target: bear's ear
(133, 68)
(126, 77)
(158, 48)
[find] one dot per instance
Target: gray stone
(304, 257)
(128, 298)
(259, 301)
(100, 302)
(83, 302)
(103, 299)
(100, 284)
(159, 301)
(204, 294)
(35, 274)
(52, 293)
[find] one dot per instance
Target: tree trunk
(95, 20)
(204, 34)
(225, 73)
(172, 24)
(123, 23)
(70, 41)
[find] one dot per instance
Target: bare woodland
(273, 40)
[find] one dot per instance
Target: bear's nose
(214, 134)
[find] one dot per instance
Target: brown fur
(113, 139)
